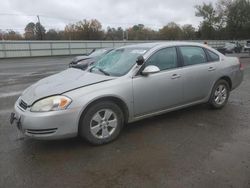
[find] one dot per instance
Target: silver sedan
(128, 84)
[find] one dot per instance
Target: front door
(158, 91)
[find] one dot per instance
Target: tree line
(227, 19)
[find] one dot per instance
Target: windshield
(118, 62)
(98, 53)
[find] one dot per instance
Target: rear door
(199, 73)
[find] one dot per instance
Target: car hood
(79, 58)
(62, 82)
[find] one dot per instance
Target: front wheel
(220, 94)
(102, 123)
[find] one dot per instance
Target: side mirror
(151, 69)
(140, 60)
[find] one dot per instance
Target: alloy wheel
(103, 123)
(220, 94)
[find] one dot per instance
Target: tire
(101, 123)
(220, 94)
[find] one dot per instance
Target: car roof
(158, 45)
(103, 49)
(162, 44)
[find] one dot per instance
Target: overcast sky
(15, 14)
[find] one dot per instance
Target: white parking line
(10, 94)
(7, 111)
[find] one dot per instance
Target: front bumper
(46, 125)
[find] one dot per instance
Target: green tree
(208, 13)
(222, 12)
(39, 31)
(84, 30)
(120, 34)
(238, 19)
(34, 31)
(230, 19)
(52, 34)
(140, 32)
(188, 32)
(11, 35)
(171, 31)
(30, 33)
(211, 20)
(1, 35)
(114, 34)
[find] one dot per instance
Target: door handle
(211, 68)
(174, 76)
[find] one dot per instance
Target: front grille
(23, 104)
(41, 131)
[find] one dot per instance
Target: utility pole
(125, 35)
(39, 28)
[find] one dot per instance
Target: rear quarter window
(212, 56)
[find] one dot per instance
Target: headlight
(51, 104)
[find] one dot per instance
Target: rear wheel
(220, 94)
(102, 123)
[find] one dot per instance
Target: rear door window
(193, 55)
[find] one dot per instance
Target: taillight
(241, 66)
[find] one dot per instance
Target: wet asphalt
(194, 147)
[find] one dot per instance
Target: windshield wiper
(102, 71)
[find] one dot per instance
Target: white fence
(9, 49)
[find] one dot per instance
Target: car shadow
(130, 128)
(167, 134)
